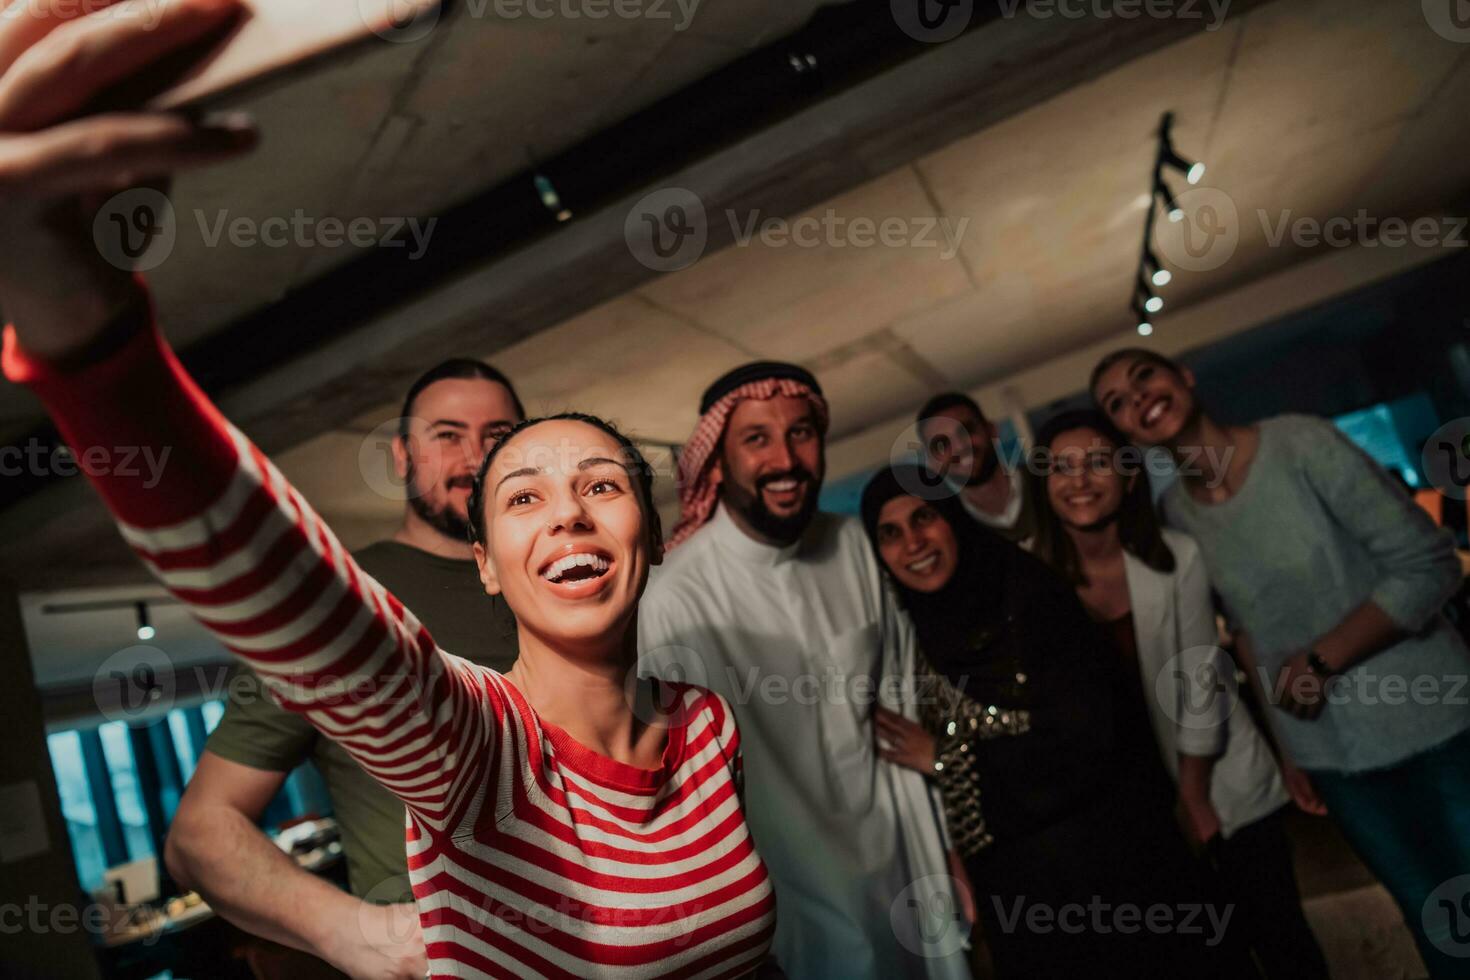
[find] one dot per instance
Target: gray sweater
(1317, 529)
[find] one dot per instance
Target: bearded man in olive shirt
(451, 418)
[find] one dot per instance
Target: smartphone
(276, 40)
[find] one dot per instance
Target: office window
(1392, 433)
(123, 772)
(178, 727)
(116, 809)
(77, 808)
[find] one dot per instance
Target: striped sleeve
(228, 536)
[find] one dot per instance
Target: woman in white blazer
(1185, 733)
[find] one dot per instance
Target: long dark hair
(637, 466)
(1138, 523)
(457, 369)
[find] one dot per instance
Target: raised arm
(222, 529)
(232, 540)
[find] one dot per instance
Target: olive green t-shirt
(447, 597)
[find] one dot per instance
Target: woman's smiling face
(1084, 485)
(1148, 401)
(568, 539)
(917, 544)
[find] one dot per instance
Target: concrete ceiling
(1300, 108)
(1308, 106)
(411, 129)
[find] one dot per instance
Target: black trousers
(1076, 899)
(1253, 871)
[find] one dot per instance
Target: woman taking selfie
(1337, 582)
(551, 828)
(1017, 731)
(1176, 719)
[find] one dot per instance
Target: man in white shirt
(963, 445)
(784, 611)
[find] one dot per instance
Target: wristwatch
(1318, 666)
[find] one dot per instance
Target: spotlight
(1151, 273)
(1144, 326)
(1193, 172)
(1171, 206)
(1168, 157)
(1160, 276)
(145, 628)
(550, 198)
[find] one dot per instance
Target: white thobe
(801, 641)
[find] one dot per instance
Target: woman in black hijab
(1016, 729)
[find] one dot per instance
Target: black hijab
(948, 619)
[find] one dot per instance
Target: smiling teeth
(924, 564)
(781, 486)
(561, 566)
(1153, 413)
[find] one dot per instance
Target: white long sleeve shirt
(802, 641)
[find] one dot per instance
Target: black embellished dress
(1066, 856)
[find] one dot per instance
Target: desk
(193, 941)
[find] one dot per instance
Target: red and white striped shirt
(530, 855)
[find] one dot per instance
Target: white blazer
(1190, 689)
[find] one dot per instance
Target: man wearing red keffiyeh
(783, 610)
(765, 394)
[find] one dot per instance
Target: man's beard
(986, 469)
(442, 518)
(758, 516)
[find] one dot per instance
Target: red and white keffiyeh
(697, 493)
